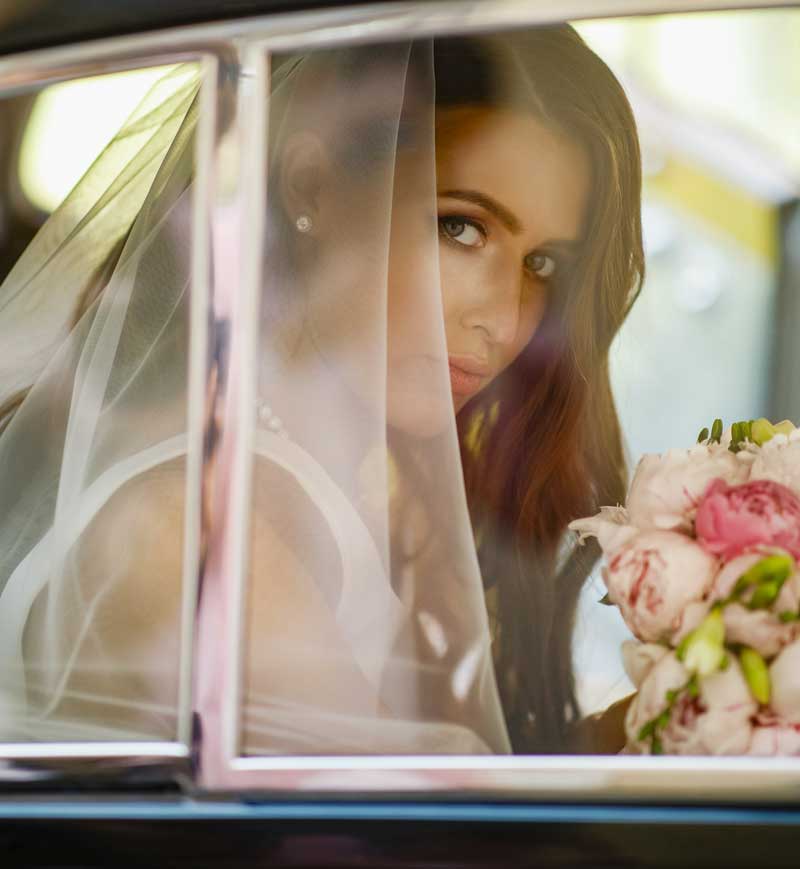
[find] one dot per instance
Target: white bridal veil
(365, 626)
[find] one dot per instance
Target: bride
(453, 240)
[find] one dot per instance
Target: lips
(467, 375)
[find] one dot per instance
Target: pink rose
(653, 578)
(731, 519)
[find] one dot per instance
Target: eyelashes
(468, 233)
(462, 231)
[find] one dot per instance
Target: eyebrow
(507, 217)
(512, 223)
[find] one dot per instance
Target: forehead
(534, 170)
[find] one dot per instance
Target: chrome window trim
(31, 72)
(316, 28)
(93, 750)
(590, 778)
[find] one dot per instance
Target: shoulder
(131, 553)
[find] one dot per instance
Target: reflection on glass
(454, 240)
(454, 362)
(94, 332)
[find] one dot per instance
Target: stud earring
(303, 223)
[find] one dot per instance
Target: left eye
(540, 264)
(461, 231)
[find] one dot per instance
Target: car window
(414, 401)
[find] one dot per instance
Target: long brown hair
(542, 444)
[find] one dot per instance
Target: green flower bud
(716, 430)
(765, 594)
(755, 671)
(703, 650)
(647, 730)
(703, 436)
(762, 430)
(774, 568)
(785, 426)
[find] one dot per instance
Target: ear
(304, 177)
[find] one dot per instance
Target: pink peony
(731, 519)
(762, 629)
(610, 527)
(653, 578)
(774, 737)
(784, 674)
(666, 488)
(716, 721)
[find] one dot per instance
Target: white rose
(666, 488)
(654, 577)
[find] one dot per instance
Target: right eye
(461, 231)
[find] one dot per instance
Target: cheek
(531, 316)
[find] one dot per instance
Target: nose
(494, 306)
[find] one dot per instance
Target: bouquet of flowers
(703, 564)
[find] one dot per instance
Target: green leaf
(716, 430)
(703, 436)
(656, 747)
(788, 616)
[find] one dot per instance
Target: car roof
(43, 23)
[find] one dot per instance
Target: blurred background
(714, 332)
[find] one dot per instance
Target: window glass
(516, 263)
(82, 116)
(94, 335)
(465, 291)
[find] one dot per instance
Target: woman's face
(510, 198)
(511, 195)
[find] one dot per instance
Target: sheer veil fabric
(365, 624)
